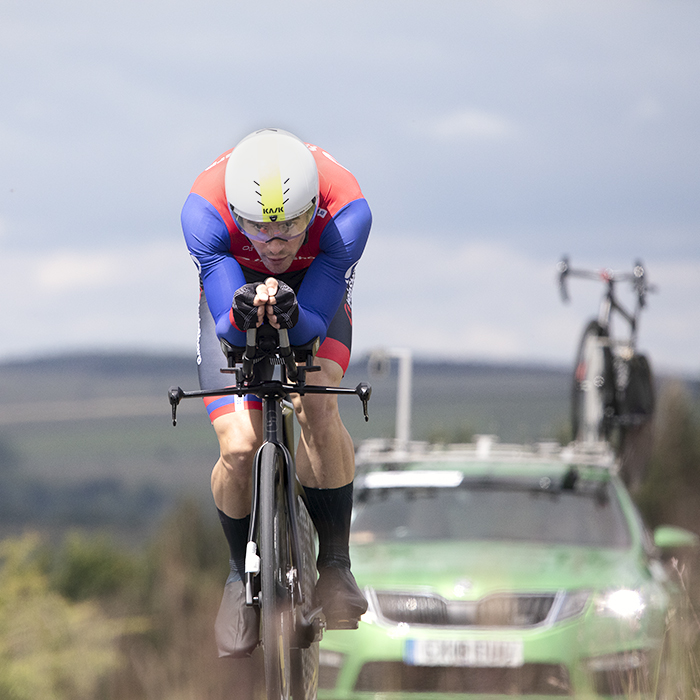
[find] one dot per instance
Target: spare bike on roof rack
(280, 565)
(613, 390)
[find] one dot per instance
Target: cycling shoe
(338, 594)
(237, 626)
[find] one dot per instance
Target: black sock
(331, 511)
(236, 531)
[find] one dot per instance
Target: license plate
(469, 652)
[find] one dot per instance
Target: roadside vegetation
(87, 617)
(669, 494)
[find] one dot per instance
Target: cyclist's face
(264, 232)
(277, 254)
(286, 229)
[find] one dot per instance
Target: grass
(681, 678)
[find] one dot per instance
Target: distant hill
(447, 396)
(90, 437)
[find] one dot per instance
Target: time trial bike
(280, 564)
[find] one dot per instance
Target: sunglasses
(286, 229)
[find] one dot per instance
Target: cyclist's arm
(208, 241)
(342, 242)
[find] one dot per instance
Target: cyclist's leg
(326, 468)
(325, 454)
(240, 434)
(236, 420)
(330, 498)
(237, 425)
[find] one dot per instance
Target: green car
(494, 571)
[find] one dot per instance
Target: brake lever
(364, 391)
(175, 394)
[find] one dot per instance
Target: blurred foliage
(669, 494)
(50, 648)
(670, 490)
(88, 618)
(93, 566)
(177, 657)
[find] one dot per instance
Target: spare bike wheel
(593, 391)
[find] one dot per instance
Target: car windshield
(587, 515)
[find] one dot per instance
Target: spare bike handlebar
(637, 277)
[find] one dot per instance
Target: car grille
(513, 611)
(493, 611)
(530, 679)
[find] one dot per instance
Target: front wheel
(593, 391)
(275, 594)
(305, 655)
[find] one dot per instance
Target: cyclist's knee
(239, 437)
(320, 409)
(331, 373)
(237, 459)
(316, 411)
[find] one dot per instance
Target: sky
(490, 138)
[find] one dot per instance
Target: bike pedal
(311, 630)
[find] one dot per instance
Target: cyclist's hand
(246, 312)
(278, 302)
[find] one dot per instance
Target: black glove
(245, 314)
(286, 309)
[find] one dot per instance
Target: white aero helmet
(272, 185)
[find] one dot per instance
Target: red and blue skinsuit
(335, 242)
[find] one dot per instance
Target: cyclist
(275, 227)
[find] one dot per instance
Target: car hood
(474, 569)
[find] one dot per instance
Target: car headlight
(626, 603)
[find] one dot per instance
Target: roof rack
(383, 451)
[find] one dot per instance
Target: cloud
(648, 110)
(474, 299)
(74, 271)
(144, 297)
(491, 301)
(472, 125)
